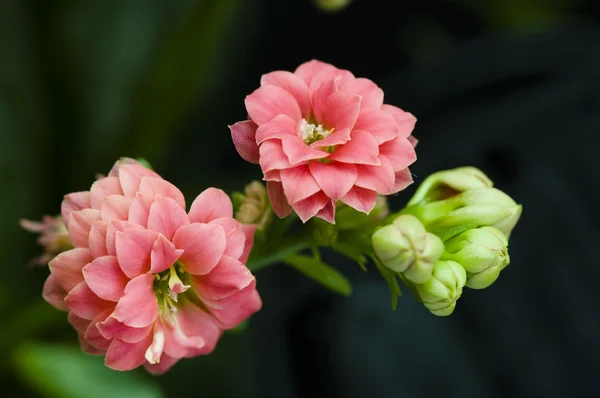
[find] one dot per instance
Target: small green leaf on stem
(392, 281)
(321, 273)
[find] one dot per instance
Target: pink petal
(332, 78)
(405, 120)
(399, 152)
(377, 178)
(272, 156)
(203, 245)
(104, 187)
(412, 140)
(279, 202)
(361, 199)
(66, 267)
(272, 175)
(74, 202)
(298, 152)
(198, 324)
(403, 179)
(327, 213)
(157, 186)
(298, 183)
(210, 204)
(310, 206)
(337, 138)
(80, 224)
(372, 95)
(154, 352)
(361, 149)
(133, 247)
(293, 85)
(140, 209)
(380, 124)
(113, 227)
(114, 171)
(243, 135)
(164, 254)
(225, 279)
(97, 239)
(232, 310)
(234, 235)
(308, 70)
(177, 343)
(92, 334)
(166, 216)
(84, 303)
(281, 126)
(111, 328)
(266, 102)
(130, 177)
(54, 294)
(127, 356)
(105, 278)
(115, 206)
(88, 348)
(318, 97)
(335, 179)
(342, 111)
(138, 307)
(249, 231)
(79, 324)
(166, 363)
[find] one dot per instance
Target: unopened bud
(54, 237)
(332, 5)
(440, 293)
(253, 205)
(406, 247)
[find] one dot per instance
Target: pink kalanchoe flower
(54, 237)
(148, 283)
(321, 135)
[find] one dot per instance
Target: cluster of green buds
(253, 206)
(453, 233)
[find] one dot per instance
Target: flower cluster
(321, 135)
(148, 283)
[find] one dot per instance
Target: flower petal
(319, 95)
(138, 307)
(212, 203)
(127, 356)
(308, 70)
(335, 179)
(361, 149)
(377, 178)
(361, 199)
(372, 95)
(166, 216)
(110, 328)
(163, 255)
(232, 310)
(97, 239)
(327, 213)
(234, 235)
(272, 156)
(203, 245)
(298, 183)
(226, 278)
(133, 248)
(166, 363)
(405, 120)
(104, 187)
(380, 124)
(403, 179)
(80, 224)
(113, 227)
(105, 278)
(298, 152)
(115, 206)
(293, 85)
(280, 127)
(243, 135)
(66, 267)
(280, 204)
(266, 102)
(140, 209)
(307, 208)
(249, 231)
(338, 137)
(198, 324)
(84, 303)
(54, 293)
(157, 186)
(400, 152)
(342, 111)
(130, 177)
(92, 334)
(74, 202)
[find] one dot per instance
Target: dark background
(509, 86)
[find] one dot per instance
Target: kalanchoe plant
(148, 281)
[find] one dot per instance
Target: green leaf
(65, 372)
(392, 281)
(321, 273)
(352, 252)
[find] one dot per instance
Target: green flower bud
(406, 247)
(254, 205)
(440, 293)
(482, 252)
(332, 5)
(347, 218)
(324, 233)
(445, 184)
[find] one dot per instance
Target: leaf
(352, 252)
(392, 281)
(65, 372)
(321, 273)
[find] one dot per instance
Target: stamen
(310, 132)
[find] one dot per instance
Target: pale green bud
(406, 247)
(440, 293)
(254, 205)
(332, 5)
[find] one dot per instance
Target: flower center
(312, 132)
(168, 285)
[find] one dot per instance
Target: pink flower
(53, 237)
(321, 135)
(148, 283)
